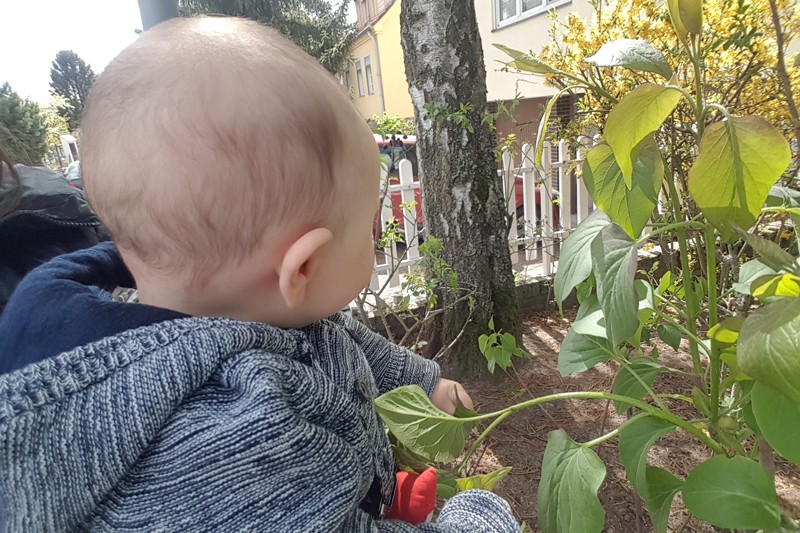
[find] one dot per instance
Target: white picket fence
(534, 241)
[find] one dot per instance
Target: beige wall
(393, 70)
(388, 68)
(526, 35)
(369, 104)
(389, 73)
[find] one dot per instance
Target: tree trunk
(462, 192)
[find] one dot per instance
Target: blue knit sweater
(201, 424)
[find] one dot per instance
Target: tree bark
(462, 192)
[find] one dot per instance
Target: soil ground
(520, 441)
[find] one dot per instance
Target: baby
(239, 185)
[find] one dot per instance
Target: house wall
(393, 70)
(380, 40)
(368, 104)
(527, 34)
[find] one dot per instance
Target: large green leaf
(675, 16)
(635, 440)
(637, 115)
(567, 497)
(727, 331)
(628, 206)
(589, 320)
(581, 352)
(635, 54)
(687, 16)
(482, 481)
(780, 196)
(779, 421)
(735, 493)
(525, 62)
(783, 196)
(661, 490)
(626, 384)
(420, 426)
(740, 159)
(575, 263)
(614, 265)
(770, 253)
(541, 133)
(768, 347)
(748, 273)
(656, 487)
(670, 335)
(776, 285)
(691, 12)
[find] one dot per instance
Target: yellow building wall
(388, 69)
(389, 74)
(369, 104)
(393, 70)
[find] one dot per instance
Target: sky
(33, 31)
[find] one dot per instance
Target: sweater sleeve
(472, 511)
(267, 447)
(392, 365)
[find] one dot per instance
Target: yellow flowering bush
(738, 49)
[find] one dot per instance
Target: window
(368, 70)
(359, 79)
(347, 81)
(510, 11)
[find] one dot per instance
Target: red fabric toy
(414, 497)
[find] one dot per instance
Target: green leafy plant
(731, 297)
(386, 124)
(498, 348)
(459, 117)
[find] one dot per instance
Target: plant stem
(697, 60)
(625, 364)
(639, 404)
(714, 363)
(688, 287)
(611, 434)
(480, 439)
(674, 226)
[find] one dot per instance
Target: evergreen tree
(318, 27)
(71, 78)
(22, 130)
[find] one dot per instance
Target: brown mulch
(520, 441)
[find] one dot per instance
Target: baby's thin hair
(203, 135)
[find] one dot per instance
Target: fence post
(546, 202)
(584, 144)
(529, 202)
(410, 217)
(509, 195)
(564, 186)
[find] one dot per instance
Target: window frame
(368, 75)
(359, 80)
(348, 80)
(547, 6)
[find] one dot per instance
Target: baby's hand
(446, 395)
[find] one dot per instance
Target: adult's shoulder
(40, 190)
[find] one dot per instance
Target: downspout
(155, 11)
(378, 76)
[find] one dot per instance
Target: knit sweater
(205, 424)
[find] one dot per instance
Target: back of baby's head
(205, 134)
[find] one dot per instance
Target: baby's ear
(299, 265)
